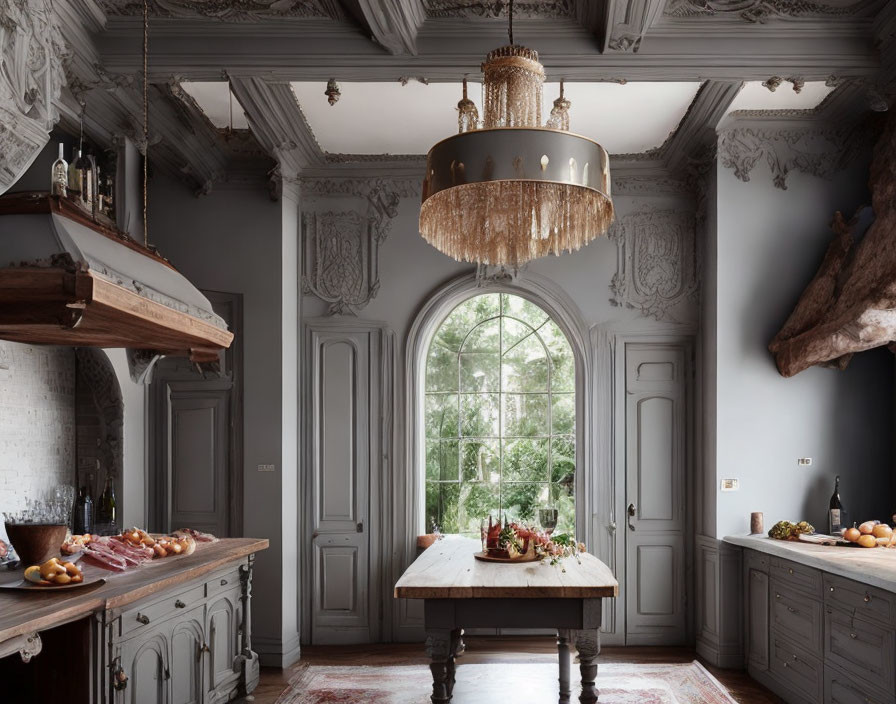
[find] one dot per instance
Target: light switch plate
(730, 485)
(804, 461)
(266, 468)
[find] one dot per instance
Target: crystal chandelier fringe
(512, 222)
(513, 88)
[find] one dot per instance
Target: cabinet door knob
(790, 570)
(777, 596)
(786, 664)
(853, 635)
(223, 582)
(793, 611)
(179, 604)
(142, 618)
(204, 648)
(832, 589)
(867, 599)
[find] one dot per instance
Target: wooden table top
(448, 570)
(24, 612)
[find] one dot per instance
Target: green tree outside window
(499, 416)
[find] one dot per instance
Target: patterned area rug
(619, 683)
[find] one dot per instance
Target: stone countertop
(873, 566)
(27, 611)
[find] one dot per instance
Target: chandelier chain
(510, 23)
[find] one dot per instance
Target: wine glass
(547, 517)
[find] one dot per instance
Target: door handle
(631, 512)
(360, 527)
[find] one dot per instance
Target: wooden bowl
(35, 543)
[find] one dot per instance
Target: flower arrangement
(523, 543)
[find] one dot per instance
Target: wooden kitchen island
(174, 630)
(462, 592)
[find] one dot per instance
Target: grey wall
(769, 245)
(37, 422)
(233, 241)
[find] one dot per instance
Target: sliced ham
(102, 556)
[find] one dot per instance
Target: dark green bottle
(106, 511)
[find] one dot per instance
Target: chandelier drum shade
(514, 190)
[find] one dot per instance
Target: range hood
(67, 280)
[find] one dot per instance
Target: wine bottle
(105, 513)
(83, 522)
(84, 173)
(59, 174)
(835, 512)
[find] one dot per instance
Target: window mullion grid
(501, 407)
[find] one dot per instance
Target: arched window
(499, 417)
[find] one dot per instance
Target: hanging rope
(145, 118)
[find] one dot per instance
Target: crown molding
(394, 25)
(449, 48)
(277, 123)
(698, 127)
(628, 21)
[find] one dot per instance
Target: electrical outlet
(804, 461)
(266, 468)
(730, 485)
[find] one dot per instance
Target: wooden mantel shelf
(27, 612)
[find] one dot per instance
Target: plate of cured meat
(134, 547)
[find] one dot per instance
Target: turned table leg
(588, 646)
(563, 638)
(439, 648)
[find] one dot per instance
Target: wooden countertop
(873, 566)
(25, 612)
(448, 570)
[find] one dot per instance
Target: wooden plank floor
(497, 650)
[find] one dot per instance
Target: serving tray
(485, 557)
(26, 586)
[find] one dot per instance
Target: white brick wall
(37, 422)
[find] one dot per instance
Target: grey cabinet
(190, 645)
(145, 660)
(188, 658)
(815, 637)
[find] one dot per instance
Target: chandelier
(509, 189)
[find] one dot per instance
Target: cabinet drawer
(861, 649)
(755, 560)
(840, 689)
(797, 617)
(145, 616)
(794, 667)
(796, 576)
(223, 582)
(868, 602)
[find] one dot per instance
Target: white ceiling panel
(388, 118)
(755, 96)
(216, 101)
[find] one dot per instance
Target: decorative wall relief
(820, 152)
(31, 78)
(341, 260)
(657, 266)
(763, 10)
(341, 257)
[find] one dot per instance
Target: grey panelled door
(195, 439)
(345, 415)
(656, 428)
(199, 415)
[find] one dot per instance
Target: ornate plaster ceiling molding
(656, 265)
(32, 55)
(762, 10)
(820, 151)
(649, 184)
(629, 21)
(550, 9)
(226, 10)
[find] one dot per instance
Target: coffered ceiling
(632, 68)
